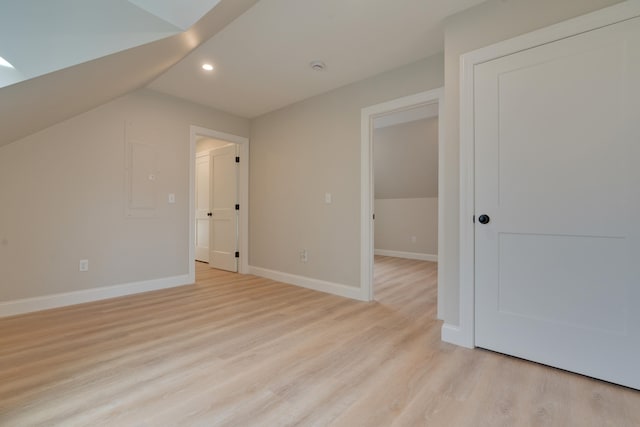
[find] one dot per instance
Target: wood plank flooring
(239, 350)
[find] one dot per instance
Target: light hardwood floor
(245, 351)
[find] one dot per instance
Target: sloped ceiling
(262, 58)
(44, 36)
(181, 13)
(42, 101)
(261, 53)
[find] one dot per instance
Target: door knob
(484, 219)
(209, 214)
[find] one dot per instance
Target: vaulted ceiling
(45, 36)
(262, 58)
(78, 54)
(34, 104)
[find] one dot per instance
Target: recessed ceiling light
(5, 63)
(207, 67)
(317, 65)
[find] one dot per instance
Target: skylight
(5, 63)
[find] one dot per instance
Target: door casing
(368, 114)
(243, 195)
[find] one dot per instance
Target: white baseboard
(309, 283)
(408, 255)
(454, 335)
(28, 305)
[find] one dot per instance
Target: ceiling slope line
(33, 105)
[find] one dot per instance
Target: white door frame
(243, 195)
(464, 333)
(366, 180)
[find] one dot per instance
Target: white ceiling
(262, 58)
(38, 37)
(181, 13)
(34, 104)
(261, 49)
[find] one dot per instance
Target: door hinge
(237, 207)
(474, 219)
(237, 159)
(374, 217)
(237, 254)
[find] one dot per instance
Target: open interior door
(224, 209)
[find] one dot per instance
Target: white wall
(483, 25)
(398, 220)
(301, 152)
(63, 198)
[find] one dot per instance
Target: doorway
(405, 109)
(405, 170)
(219, 145)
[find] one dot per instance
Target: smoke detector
(317, 65)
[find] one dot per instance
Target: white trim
(28, 305)
(453, 335)
(407, 255)
(243, 196)
(465, 334)
(366, 181)
(467, 264)
(309, 283)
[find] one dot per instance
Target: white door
(224, 196)
(203, 213)
(557, 152)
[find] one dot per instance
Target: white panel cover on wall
(141, 179)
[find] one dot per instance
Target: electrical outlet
(304, 257)
(84, 265)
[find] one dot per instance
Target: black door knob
(484, 219)
(209, 214)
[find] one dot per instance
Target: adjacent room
(405, 169)
(319, 213)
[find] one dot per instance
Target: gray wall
(305, 150)
(406, 160)
(483, 25)
(62, 188)
(63, 198)
(399, 220)
(406, 187)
